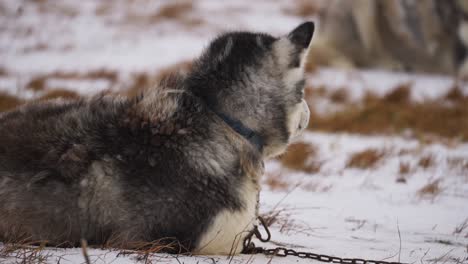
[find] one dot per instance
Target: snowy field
(409, 203)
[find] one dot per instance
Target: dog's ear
(302, 35)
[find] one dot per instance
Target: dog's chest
(229, 227)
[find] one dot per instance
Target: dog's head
(257, 79)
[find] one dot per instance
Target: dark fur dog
(181, 162)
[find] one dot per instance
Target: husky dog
(181, 162)
(422, 36)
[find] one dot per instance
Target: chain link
(250, 248)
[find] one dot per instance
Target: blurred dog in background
(428, 36)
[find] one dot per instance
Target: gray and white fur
(428, 36)
(179, 163)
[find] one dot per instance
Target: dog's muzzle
(305, 115)
(301, 118)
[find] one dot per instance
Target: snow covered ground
(411, 205)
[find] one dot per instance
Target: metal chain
(250, 248)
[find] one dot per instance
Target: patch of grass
(182, 67)
(404, 167)
(106, 74)
(395, 113)
(281, 218)
(8, 102)
(339, 96)
(142, 81)
(303, 8)
(460, 228)
(426, 161)
(178, 11)
(58, 93)
(26, 253)
(298, 156)
(454, 94)
(174, 10)
(312, 92)
(365, 159)
(430, 190)
(399, 95)
(403, 172)
(37, 84)
(144, 250)
(276, 183)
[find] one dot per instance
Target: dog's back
(46, 149)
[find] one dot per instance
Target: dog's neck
(253, 137)
(249, 134)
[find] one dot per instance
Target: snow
(424, 87)
(340, 211)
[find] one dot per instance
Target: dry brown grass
(142, 81)
(399, 95)
(395, 113)
(304, 8)
(276, 182)
(37, 84)
(281, 218)
(455, 94)
(174, 10)
(298, 157)
(340, 96)
(365, 159)
(8, 102)
(426, 161)
(405, 168)
(431, 190)
(106, 74)
(182, 67)
(27, 253)
(311, 92)
(460, 228)
(177, 11)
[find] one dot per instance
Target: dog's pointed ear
(302, 35)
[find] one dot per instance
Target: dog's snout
(300, 118)
(305, 115)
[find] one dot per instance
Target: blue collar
(253, 137)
